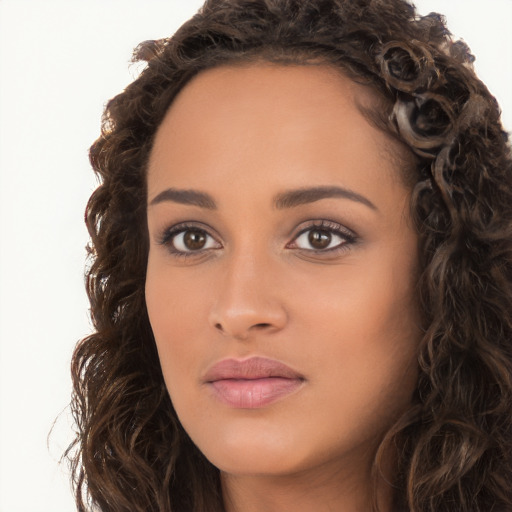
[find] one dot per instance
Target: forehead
(243, 89)
(233, 83)
(240, 119)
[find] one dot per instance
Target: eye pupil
(319, 239)
(194, 240)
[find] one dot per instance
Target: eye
(186, 240)
(318, 240)
(323, 237)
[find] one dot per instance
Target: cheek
(174, 297)
(364, 330)
(362, 306)
(178, 310)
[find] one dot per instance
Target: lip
(252, 383)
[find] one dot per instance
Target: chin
(274, 451)
(258, 461)
(253, 451)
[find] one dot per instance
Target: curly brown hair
(454, 445)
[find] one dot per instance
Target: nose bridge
(247, 298)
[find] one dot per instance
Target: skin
(344, 317)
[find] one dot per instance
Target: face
(281, 273)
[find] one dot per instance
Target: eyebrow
(292, 198)
(283, 200)
(191, 197)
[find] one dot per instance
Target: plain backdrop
(59, 63)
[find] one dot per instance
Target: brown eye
(322, 239)
(319, 239)
(192, 240)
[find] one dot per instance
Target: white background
(59, 62)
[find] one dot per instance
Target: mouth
(252, 383)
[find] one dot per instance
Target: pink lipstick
(252, 383)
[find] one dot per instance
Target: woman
(300, 271)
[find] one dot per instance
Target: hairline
(404, 160)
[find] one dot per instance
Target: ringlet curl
(453, 446)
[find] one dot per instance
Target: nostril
(261, 326)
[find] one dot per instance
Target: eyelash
(170, 234)
(348, 238)
(334, 228)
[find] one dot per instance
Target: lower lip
(254, 393)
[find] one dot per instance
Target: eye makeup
(319, 237)
(324, 237)
(188, 239)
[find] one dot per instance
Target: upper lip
(253, 368)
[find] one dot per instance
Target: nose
(247, 299)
